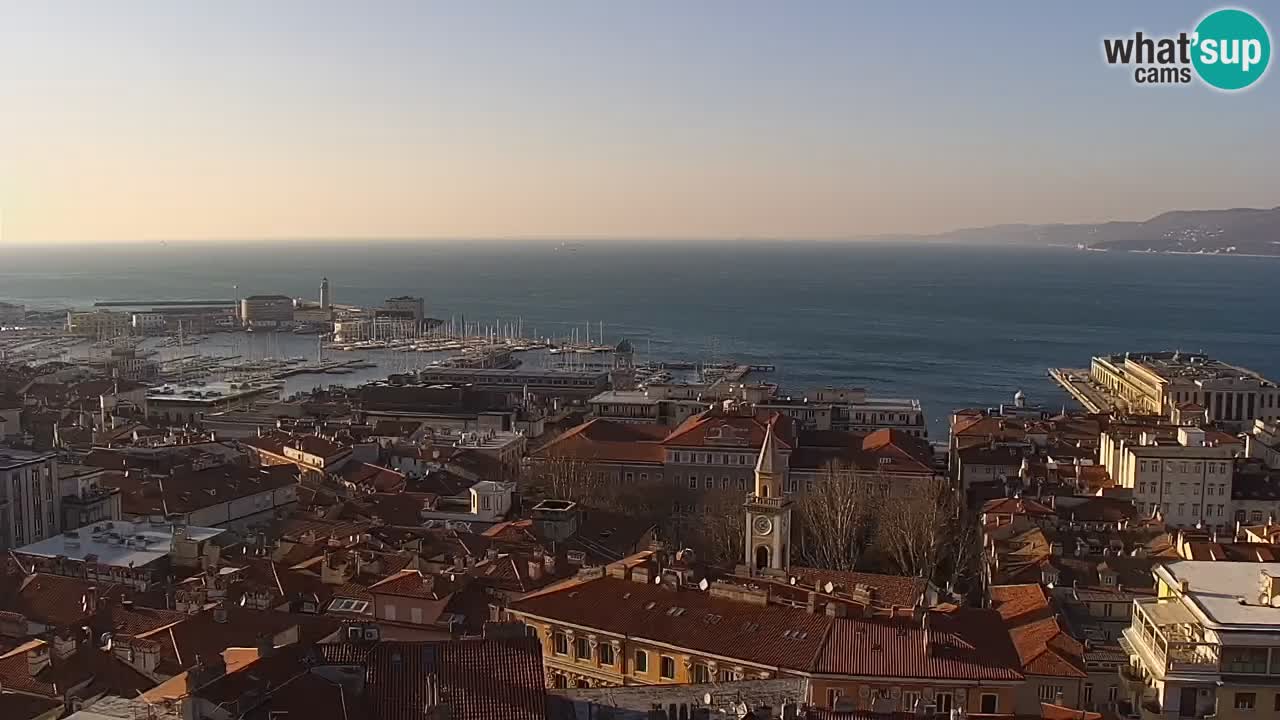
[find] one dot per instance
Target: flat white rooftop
(1216, 589)
(117, 542)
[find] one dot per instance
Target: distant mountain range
(1240, 231)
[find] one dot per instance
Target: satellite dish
(828, 587)
(703, 585)
(706, 698)
(1275, 602)
(793, 579)
(657, 579)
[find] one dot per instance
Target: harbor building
(178, 404)
(266, 310)
(1208, 644)
(101, 324)
(576, 384)
(1160, 383)
(410, 308)
(1182, 473)
(30, 497)
(850, 409)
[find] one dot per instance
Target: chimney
(37, 659)
(91, 599)
(811, 602)
(928, 639)
(266, 645)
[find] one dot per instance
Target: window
(724, 483)
(415, 614)
(943, 701)
(560, 643)
(989, 703)
(1048, 693)
(910, 698)
(1244, 660)
(560, 681)
(833, 697)
(701, 673)
(641, 662)
(1195, 509)
(1142, 465)
(667, 667)
(630, 478)
(1112, 693)
(742, 483)
(1277, 703)
(693, 482)
(728, 676)
(1088, 687)
(582, 649)
(606, 654)
(389, 612)
(710, 483)
(644, 477)
(1246, 700)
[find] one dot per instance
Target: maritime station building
(1165, 383)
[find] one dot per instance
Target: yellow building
(1208, 645)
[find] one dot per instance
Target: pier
(1077, 383)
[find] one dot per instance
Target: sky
(176, 120)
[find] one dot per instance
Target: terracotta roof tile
(967, 644)
(479, 679)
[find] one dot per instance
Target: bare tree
(836, 519)
(562, 477)
(924, 533)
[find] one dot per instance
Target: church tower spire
(768, 509)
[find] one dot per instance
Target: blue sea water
(954, 326)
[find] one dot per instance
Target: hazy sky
(177, 120)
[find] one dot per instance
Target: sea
(955, 326)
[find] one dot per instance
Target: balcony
(1165, 636)
(1132, 681)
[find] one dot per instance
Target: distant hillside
(1243, 231)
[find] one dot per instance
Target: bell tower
(768, 511)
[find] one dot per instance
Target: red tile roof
(890, 589)
(606, 441)
(964, 644)
(715, 427)
(479, 679)
(769, 635)
(1043, 647)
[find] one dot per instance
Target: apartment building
(30, 497)
(1208, 645)
(1181, 473)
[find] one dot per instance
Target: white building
(148, 323)
(30, 497)
(1185, 477)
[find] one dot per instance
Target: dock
(1089, 394)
